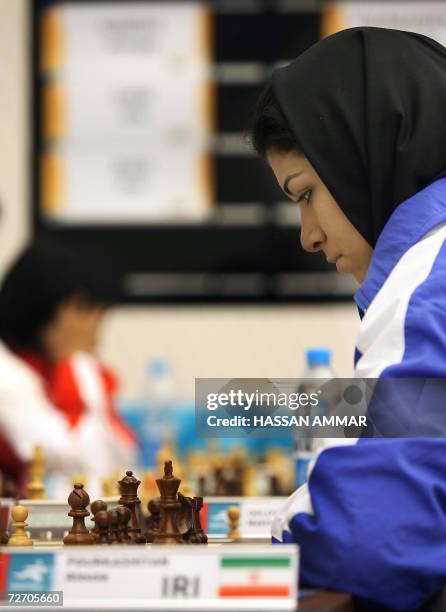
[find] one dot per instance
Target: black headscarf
(368, 108)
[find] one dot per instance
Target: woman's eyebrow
(288, 179)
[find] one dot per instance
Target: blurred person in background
(54, 392)
(354, 130)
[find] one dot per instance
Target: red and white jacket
(67, 409)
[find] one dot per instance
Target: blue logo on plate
(30, 572)
(218, 518)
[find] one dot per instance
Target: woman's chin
(340, 264)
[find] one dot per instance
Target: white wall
(228, 342)
(212, 341)
(14, 223)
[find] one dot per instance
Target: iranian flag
(256, 576)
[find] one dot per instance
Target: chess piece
(153, 520)
(201, 486)
(238, 477)
(233, 514)
(199, 536)
(102, 523)
(36, 488)
(220, 482)
(10, 487)
(124, 516)
(78, 501)
(79, 478)
(128, 487)
(113, 530)
(96, 507)
(184, 518)
(3, 535)
(274, 486)
(110, 487)
(168, 486)
(19, 537)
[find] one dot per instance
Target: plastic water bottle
(306, 447)
(157, 426)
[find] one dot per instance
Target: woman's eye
(305, 196)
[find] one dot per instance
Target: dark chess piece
(102, 524)
(128, 488)
(239, 478)
(220, 482)
(199, 536)
(169, 505)
(184, 518)
(275, 488)
(96, 507)
(189, 524)
(234, 480)
(113, 527)
(124, 516)
(3, 534)
(153, 521)
(78, 501)
(201, 486)
(10, 487)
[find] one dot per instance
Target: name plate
(256, 515)
(241, 577)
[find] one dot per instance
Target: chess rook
(199, 536)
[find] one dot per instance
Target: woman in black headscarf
(355, 132)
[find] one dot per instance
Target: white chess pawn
(19, 537)
(233, 514)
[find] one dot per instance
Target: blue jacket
(372, 520)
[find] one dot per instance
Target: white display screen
(126, 112)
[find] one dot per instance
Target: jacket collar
(410, 221)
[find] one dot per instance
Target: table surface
(327, 601)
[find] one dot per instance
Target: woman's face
(75, 327)
(324, 227)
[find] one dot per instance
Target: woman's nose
(311, 239)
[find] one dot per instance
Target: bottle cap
(159, 367)
(318, 356)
